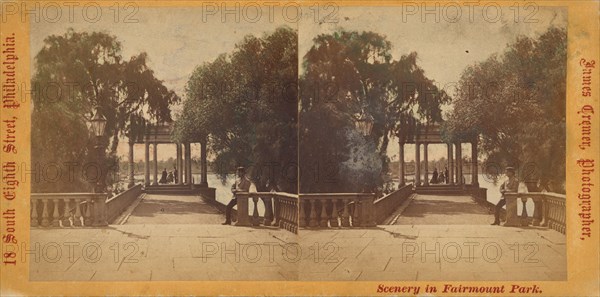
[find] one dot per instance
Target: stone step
(168, 189)
(441, 191)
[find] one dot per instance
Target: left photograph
(167, 147)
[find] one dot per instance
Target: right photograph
(432, 144)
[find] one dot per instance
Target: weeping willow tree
(76, 73)
(349, 75)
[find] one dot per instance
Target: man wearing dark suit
(242, 184)
(511, 185)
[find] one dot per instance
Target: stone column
(474, 169)
(181, 164)
(179, 167)
(401, 180)
(147, 164)
(458, 160)
(426, 161)
(131, 165)
(417, 164)
(203, 165)
(188, 164)
(449, 158)
(155, 155)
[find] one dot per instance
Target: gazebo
(161, 134)
(432, 134)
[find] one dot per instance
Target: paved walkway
(163, 252)
(444, 210)
(453, 252)
(174, 209)
(215, 252)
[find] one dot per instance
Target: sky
(179, 39)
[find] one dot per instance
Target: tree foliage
(74, 73)
(346, 74)
(244, 105)
(515, 102)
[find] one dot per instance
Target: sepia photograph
(150, 137)
(433, 127)
(227, 148)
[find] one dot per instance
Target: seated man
(511, 185)
(242, 184)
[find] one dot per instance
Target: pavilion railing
(337, 209)
(285, 209)
(68, 209)
(549, 210)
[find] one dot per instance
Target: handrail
(549, 210)
(386, 205)
(337, 209)
(120, 202)
(285, 209)
(76, 209)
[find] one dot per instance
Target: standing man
(446, 176)
(175, 175)
(509, 186)
(242, 184)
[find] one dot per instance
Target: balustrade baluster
(55, 213)
(550, 213)
(563, 216)
(78, 215)
(356, 213)
(313, 222)
(66, 213)
(554, 215)
(45, 221)
(285, 213)
(537, 206)
(294, 217)
(34, 214)
(334, 213)
(277, 209)
(324, 216)
(524, 214)
(544, 201)
(301, 212)
(345, 214)
(88, 212)
(555, 219)
(255, 220)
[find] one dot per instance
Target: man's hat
(242, 169)
(511, 169)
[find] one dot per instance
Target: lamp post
(364, 124)
(97, 127)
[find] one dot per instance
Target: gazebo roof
(159, 133)
(431, 133)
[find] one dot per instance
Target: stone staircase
(440, 190)
(168, 189)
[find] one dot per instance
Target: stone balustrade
(117, 204)
(549, 210)
(285, 209)
(68, 209)
(337, 209)
(386, 205)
